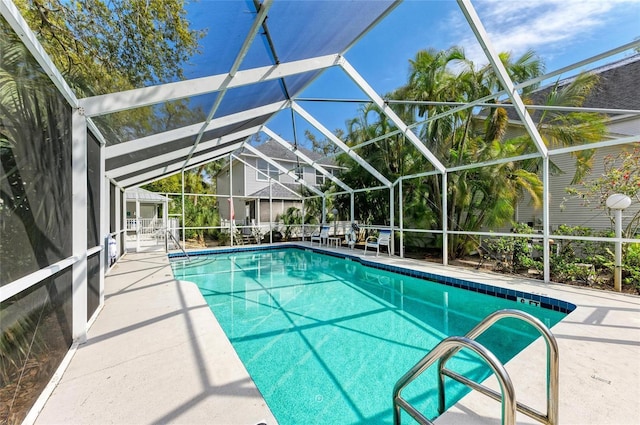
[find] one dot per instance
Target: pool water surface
(325, 339)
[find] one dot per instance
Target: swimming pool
(326, 338)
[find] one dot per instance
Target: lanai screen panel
(304, 29)
(227, 24)
(124, 126)
(35, 164)
(292, 31)
(249, 97)
(298, 31)
(171, 167)
(181, 144)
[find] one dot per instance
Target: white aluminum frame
(191, 130)
(306, 159)
(140, 165)
(136, 98)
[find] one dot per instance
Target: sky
(561, 32)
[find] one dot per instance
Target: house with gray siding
(257, 184)
(618, 88)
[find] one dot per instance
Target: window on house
(263, 169)
(319, 178)
(274, 172)
(266, 168)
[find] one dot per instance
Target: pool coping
(536, 300)
(599, 345)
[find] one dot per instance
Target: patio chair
(383, 238)
(321, 237)
(351, 239)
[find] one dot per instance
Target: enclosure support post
(270, 211)
(352, 207)
(117, 226)
(324, 209)
(165, 221)
(445, 223)
(258, 219)
(231, 209)
(137, 223)
(391, 218)
(79, 227)
(105, 216)
(183, 217)
(545, 220)
(400, 218)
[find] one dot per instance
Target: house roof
(144, 195)
(617, 87)
(275, 150)
(277, 191)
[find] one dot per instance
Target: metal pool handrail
(447, 345)
(173, 238)
(457, 343)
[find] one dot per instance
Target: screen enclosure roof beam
(191, 130)
(257, 23)
(177, 154)
(13, 17)
(136, 98)
(501, 72)
(389, 113)
(306, 159)
(169, 170)
(329, 135)
(282, 169)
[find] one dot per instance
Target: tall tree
(478, 197)
(325, 146)
(104, 46)
(107, 46)
(99, 47)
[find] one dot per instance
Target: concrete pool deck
(156, 354)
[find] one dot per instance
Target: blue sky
(562, 32)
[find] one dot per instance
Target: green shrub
(513, 253)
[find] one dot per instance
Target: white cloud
(546, 26)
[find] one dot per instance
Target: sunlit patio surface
(156, 354)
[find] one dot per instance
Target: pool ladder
(173, 238)
(448, 347)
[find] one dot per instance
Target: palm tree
(479, 197)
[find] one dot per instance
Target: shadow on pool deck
(156, 354)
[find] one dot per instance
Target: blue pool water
(325, 339)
